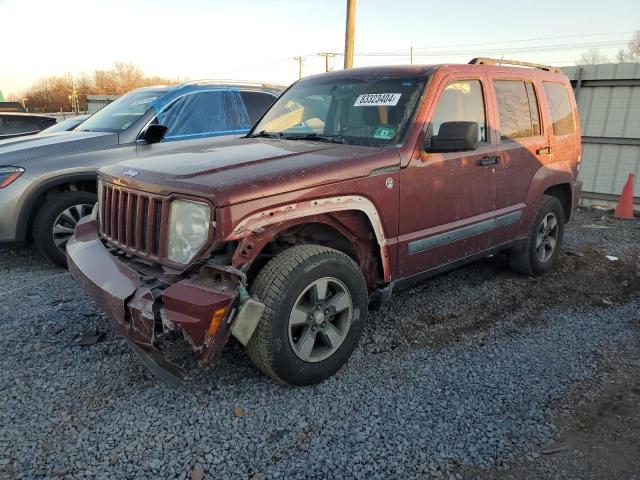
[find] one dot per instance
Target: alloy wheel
(320, 319)
(547, 237)
(65, 224)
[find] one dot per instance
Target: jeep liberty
(353, 183)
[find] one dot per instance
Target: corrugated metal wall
(608, 99)
(96, 102)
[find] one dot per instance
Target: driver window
(205, 113)
(461, 100)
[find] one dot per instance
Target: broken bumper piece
(201, 306)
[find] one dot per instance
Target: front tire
(56, 220)
(315, 309)
(540, 251)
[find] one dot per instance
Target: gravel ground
(468, 375)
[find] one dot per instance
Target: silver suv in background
(48, 181)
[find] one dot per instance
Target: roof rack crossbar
(243, 83)
(494, 61)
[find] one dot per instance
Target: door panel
(522, 149)
(447, 199)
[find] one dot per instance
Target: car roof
(236, 84)
(414, 70)
(482, 64)
(216, 85)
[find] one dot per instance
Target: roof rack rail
(494, 61)
(243, 83)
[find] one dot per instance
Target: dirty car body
(404, 171)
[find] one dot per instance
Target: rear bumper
(143, 309)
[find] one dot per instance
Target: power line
(528, 49)
(533, 39)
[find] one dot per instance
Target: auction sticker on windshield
(377, 99)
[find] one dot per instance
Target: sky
(257, 40)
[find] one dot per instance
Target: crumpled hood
(20, 151)
(247, 168)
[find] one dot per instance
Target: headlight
(9, 174)
(188, 229)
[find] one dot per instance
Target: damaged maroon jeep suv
(353, 183)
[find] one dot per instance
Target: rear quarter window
(559, 108)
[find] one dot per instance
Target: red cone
(624, 209)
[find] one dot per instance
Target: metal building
(608, 99)
(96, 102)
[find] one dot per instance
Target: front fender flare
(257, 222)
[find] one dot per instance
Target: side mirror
(455, 137)
(155, 133)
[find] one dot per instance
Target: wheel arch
(562, 191)
(348, 224)
(29, 209)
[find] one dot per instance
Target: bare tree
(52, 94)
(593, 56)
(631, 54)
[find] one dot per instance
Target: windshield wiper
(266, 134)
(321, 137)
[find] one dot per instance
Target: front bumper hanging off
(202, 306)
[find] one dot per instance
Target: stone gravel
(395, 411)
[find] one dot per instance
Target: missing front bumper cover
(201, 307)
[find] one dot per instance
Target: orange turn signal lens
(216, 320)
(9, 174)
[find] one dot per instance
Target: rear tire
(61, 213)
(540, 251)
(315, 309)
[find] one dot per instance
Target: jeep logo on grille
(131, 173)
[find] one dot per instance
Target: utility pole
(299, 60)
(349, 33)
(326, 56)
(411, 55)
(74, 97)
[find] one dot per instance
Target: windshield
(120, 114)
(370, 111)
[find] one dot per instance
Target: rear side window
(518, 109)
(257, 103)
(560, 108)
(461, 100)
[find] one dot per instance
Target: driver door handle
(485, 161)
(543, 150)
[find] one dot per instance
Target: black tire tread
(520, 259)
(41, 228)
(270, 285)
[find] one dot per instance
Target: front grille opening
(133, 220)
(145, 216)
(122, 218)
(107, 212)
(156, 232)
